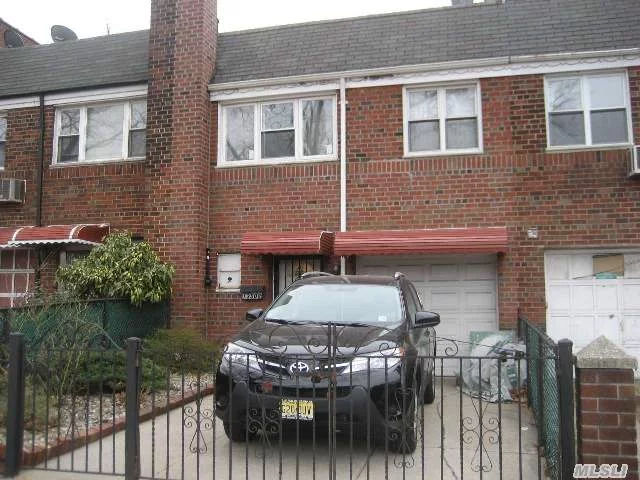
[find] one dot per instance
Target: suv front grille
(279, 365)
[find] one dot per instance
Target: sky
(91, 18)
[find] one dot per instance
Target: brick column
(606, 419)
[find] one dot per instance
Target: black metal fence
(550, 396)
(327, 410)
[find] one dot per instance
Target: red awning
(412, 242)
(287, 243)
(81, 234)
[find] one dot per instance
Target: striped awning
(78, 234)
(413, 242)
(287, 243)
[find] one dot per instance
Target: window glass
(609, 126)
(461, 102)
(240, 137)
(104, 132)
(138, 129)
(564, 95)
(70, 122)
(566, 129)
(69, 136)
(423, 105)
(462, 133)
(278, 135)
(424, 136)
(3, 139)
(606, 91)
(277, 116)
(317, 121)
(342, 303)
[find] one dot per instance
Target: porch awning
(412, 242)
(79, 234)
(287, 243)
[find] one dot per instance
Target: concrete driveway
(442, 452)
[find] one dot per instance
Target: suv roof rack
(316, 274)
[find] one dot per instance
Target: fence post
(132, 419)
(566, 391)
(15, 405)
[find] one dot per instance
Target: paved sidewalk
(163, 450)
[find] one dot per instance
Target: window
(279, 131)
(67, 257)
(289, 269)
(229, 271)
(115, 131)
(442, 120)
(3, 140)
(16, 276)
(587, 110)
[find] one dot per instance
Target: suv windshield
(339, 303)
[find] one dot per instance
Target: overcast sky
(89, 18)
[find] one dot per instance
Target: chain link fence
(543, 392)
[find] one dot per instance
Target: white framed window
(442, 120)
(100, 132)
(228, 272)
(585, 110)
(278, 131)
(16, 275)
(3, 140)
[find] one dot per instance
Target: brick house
(484, 150)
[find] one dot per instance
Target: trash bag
(480, 375)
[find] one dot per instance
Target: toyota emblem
(299, 368)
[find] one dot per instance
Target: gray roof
(516, 27)
(93, 62)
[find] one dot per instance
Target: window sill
(97, 162)
(227, 290)
(450, 153)
(588, 148)
(288, 161)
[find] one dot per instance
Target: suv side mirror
(427, 319)
(254, 314)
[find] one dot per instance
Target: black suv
(354, 350)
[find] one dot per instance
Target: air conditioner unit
(635, 161)
(12, 190)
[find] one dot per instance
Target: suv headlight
(388, 358)
(238, 358)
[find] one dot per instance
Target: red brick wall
(577, 199)
(182, 45)
(607, 418)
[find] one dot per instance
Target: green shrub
(107, 372)
(117, 268)
(182, 350)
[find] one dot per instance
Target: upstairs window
(3, 140)
(587, 110)
(441, 120)
(279, 131)
(114, 131)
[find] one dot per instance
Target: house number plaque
(251, 292)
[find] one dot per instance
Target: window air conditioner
(12, 190)
(635, 161)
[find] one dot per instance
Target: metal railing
(550, 396)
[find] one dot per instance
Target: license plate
(296, 409)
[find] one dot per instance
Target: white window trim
(297, 125)
(3, 115)
(82, 132)
(441, 99)
(586, 104)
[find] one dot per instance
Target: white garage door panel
(462, 289)
(582, 307)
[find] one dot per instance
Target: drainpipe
(343, 165)
(40, 187)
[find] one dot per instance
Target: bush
(182, 350)
(118, 268)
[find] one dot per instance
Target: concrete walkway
(166, 455)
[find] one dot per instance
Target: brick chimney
(182, 53)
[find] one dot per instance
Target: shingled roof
(93, 62)
(516, 27)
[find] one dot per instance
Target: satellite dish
(60, 33)
(12, 39)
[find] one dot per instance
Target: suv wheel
(430, 387)
(236, 432)
(405, 442)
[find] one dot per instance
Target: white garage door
(594, 293)
(462, 289)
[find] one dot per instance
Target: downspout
(343, 165)
(39, 190)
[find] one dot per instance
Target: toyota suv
(354, 352)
